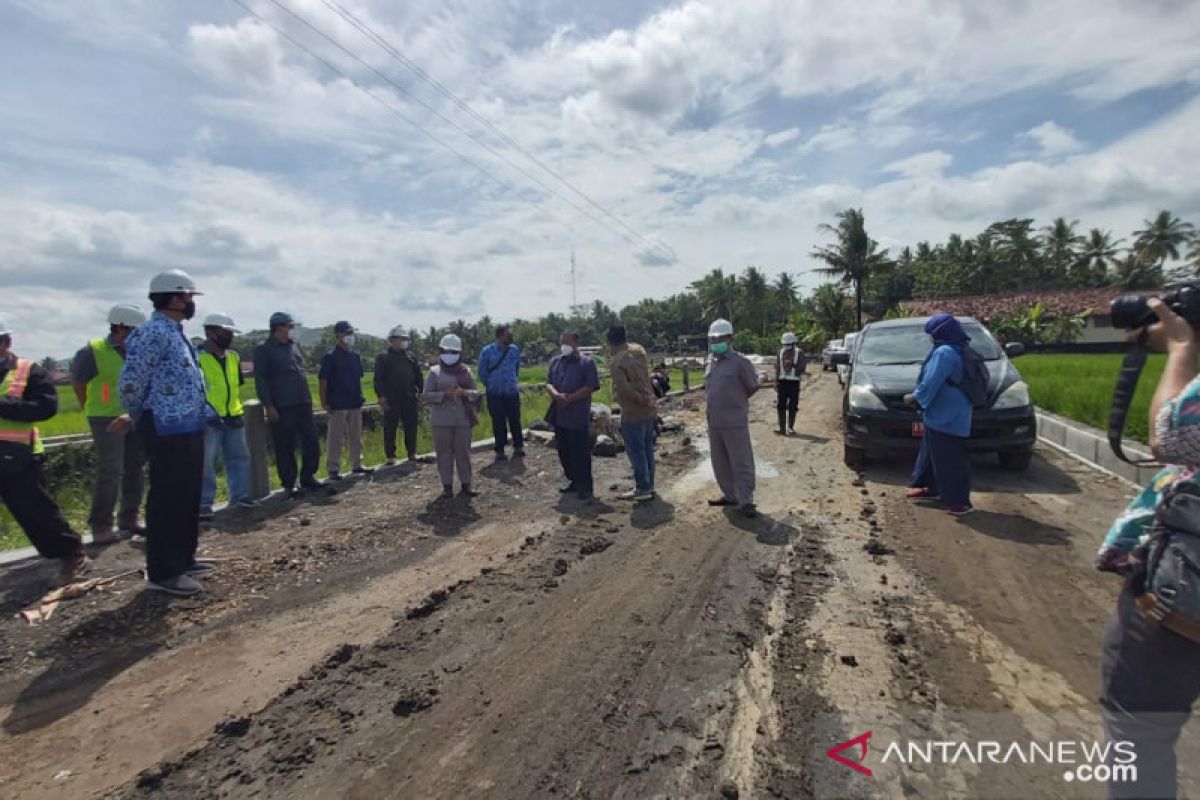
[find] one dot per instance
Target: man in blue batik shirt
(162, 390)
(500, 371)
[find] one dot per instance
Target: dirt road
(380, 645)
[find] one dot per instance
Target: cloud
(932, 163)
(782, 137)
(465, 304)
(1052, 139)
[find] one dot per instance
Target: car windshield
(910, 345)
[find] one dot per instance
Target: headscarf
(463, 376)
(945, 330)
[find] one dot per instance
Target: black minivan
(884, 365)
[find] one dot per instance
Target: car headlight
(862, 397)
(1015, 396)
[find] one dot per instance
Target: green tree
(831, 311)
(854, 257)
(1096, 259)
(754, 292)
(784, 295)
(1133, 272)
(718, 294)
(1060, 249)
(1162, 238)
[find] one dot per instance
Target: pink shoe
(920, 494)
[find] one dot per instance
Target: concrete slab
(1082, 443)
(1051, 430)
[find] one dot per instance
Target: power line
(397, 54)
(518, 168)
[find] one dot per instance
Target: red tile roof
(989, 306)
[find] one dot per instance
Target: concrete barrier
(1090, 445)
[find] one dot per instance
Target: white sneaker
(138, 540)
(180, 586)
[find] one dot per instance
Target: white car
(831, 347)
(844, 369)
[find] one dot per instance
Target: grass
(1081, 387)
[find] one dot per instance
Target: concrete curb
(1090, 445)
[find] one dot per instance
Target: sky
(327, 177)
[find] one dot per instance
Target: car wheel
(1016, 460)
(854, 457)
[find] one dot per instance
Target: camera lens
(1132, 311)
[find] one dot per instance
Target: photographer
(1151, 674)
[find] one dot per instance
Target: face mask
(567, 350)
(449, 359)
(349, 340)
(720, 348)
(223, 340)
(402, 345)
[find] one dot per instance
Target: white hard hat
(225, 321)
(128, 315)
(451, 342)
(398, 332)
(719, 328)
(172, 281)
(788, 338)
(5, 328)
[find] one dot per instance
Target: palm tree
(1133, 272)
(784, 289)
(829, 310)
(1193, 260)
(1018, 250)
(1162, 238)
(754, 293)
(854, 257)
(717, 293)
(1060, 246)
(1096, 257)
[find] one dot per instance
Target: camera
(1131, 311)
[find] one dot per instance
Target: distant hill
(305, 337)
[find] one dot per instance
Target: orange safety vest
(25, 433)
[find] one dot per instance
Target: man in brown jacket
(634, 393)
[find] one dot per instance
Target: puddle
(701, 475)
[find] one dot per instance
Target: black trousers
(787, 401)
(395, 415)
(575, 453)
(505, 410)
(173, 503)
(28, 498)
(296, 425)
(1149, 679)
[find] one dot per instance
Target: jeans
(575, 455)
(1149, 680)
(505, 410)
(173, 505)
(639, 446)
(944, 468)
(296, 424)
(120, 471)
(230, 443)
(394, 416)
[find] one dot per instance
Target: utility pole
(574, 294)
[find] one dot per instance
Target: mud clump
(428, 605)
(561, 566)
(592, 546)
(234, 728)
(414, 701)
(877, 548)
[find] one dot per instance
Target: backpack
(1170, 593)
(975, 380)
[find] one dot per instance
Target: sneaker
(643, 497)
(363, 470)
(180, 586)
(137, 540)
(73, 567)
(200, 568)
(749, 511)
(246, 502)
(921, 493)
(391, 462)
(206, 515)
(630, 495)
(724, 501)
(467, 491)
(105, 537)
(291, 493)
(960, 511)
(568, 489)
(585, 495)
(791, 431)
(132, 530)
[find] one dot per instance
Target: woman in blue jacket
(943, 467)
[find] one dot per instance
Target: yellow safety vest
(25, 433)
(222, 384)
(102, 397)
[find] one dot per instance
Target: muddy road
(377, 644)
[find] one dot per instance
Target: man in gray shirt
(729, 382)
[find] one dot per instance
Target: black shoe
(585, 495)
(206, 515)
(467, 491)
(749, 511)
(724, 501)
(313, 485)
(333, 476)
(291, 493)
(448, 490)
(363, 471)
(519, 453)
(568, 489)
(501, 457)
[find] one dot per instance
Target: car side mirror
(1014, 349)
(840, 358)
